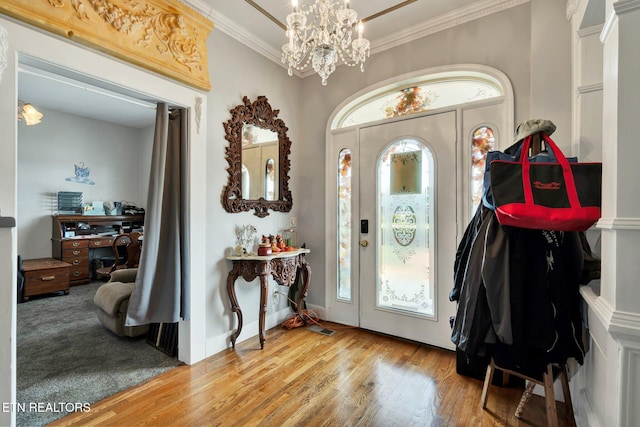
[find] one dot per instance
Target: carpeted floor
(66, 358)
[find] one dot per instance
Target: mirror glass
(258, 157)
(259, 163)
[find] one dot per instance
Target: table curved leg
(264, 291)
(235, 307)
(306, 272)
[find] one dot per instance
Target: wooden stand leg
(487, 382)
(564, 378)
(549, 397)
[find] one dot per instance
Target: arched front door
(402, 166)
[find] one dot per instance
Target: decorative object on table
(113, 208)
(245, 236)
(96, 208)
(321, 34)
(264, 248)
(81, 175)
(558, 196)
(276, 244)
(289, 236)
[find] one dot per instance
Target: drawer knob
(76, 273)
(76, 252)
(96, 243)
(76, 244)
(76, 261)
(47, 278)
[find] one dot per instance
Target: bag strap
(570, 184)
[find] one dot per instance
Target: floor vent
(164, 337)
(321, 330)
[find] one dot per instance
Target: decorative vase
(264, 249)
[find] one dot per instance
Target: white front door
(407, 227)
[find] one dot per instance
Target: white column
(620, 223)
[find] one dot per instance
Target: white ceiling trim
(450, 20)
(230, 28)
(444, 22)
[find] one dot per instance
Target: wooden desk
(73, 236)
(281, 266)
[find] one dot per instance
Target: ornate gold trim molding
(163, 36)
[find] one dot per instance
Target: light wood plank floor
(303, 378)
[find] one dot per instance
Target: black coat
(518, 294)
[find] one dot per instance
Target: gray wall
(501, 40)
(238, 71)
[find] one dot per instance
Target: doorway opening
(116, 149)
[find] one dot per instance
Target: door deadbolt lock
(364, 243)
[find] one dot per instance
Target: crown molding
(450, 20)
(444, 22)
(233, 30)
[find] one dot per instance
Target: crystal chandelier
(321, 34)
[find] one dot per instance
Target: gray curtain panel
(161, 294)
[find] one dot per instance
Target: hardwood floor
(303, 378)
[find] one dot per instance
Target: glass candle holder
(289, 236)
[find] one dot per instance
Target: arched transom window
(429, 93)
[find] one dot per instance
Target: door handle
(364, 243)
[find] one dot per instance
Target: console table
(281, 266)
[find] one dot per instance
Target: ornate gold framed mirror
(258, 157)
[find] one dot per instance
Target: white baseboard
(584, 415)
(249, 330)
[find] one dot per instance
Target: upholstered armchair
(112, 301)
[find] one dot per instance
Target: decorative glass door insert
(344, 225)
(405, 247)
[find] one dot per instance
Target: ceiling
(388, 23)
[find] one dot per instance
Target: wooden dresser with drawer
(45, 275)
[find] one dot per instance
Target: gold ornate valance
(164, 36)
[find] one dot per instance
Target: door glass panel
(344, 225)
(405, 244)
(483, 142)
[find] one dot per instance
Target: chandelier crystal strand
(321, 34)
